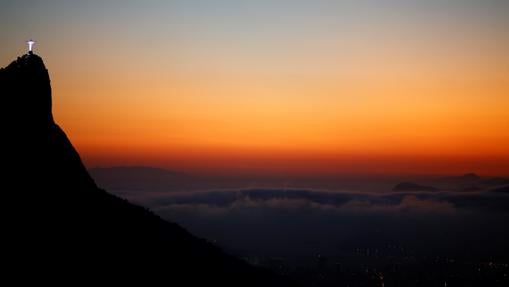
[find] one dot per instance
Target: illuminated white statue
(30, 45)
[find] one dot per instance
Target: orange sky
(402, 118)
(301, 91)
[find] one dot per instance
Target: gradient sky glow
(276, 86)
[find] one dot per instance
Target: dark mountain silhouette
(62, 227)
(140, 178)
(470, 176)
(410, 186)
(466, 179)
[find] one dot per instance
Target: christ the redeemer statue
(30, 46)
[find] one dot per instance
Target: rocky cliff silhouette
(61, 225)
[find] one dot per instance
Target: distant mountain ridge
(138, 178)
(135, 169)
(501, 189)
(469, 182)
(410, 186)
(63, 228)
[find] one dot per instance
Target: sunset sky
(279, 86)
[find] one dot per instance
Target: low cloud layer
(368, 202)
(301, 222)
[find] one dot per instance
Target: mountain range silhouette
(62, 228)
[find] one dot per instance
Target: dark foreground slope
(59, 224)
